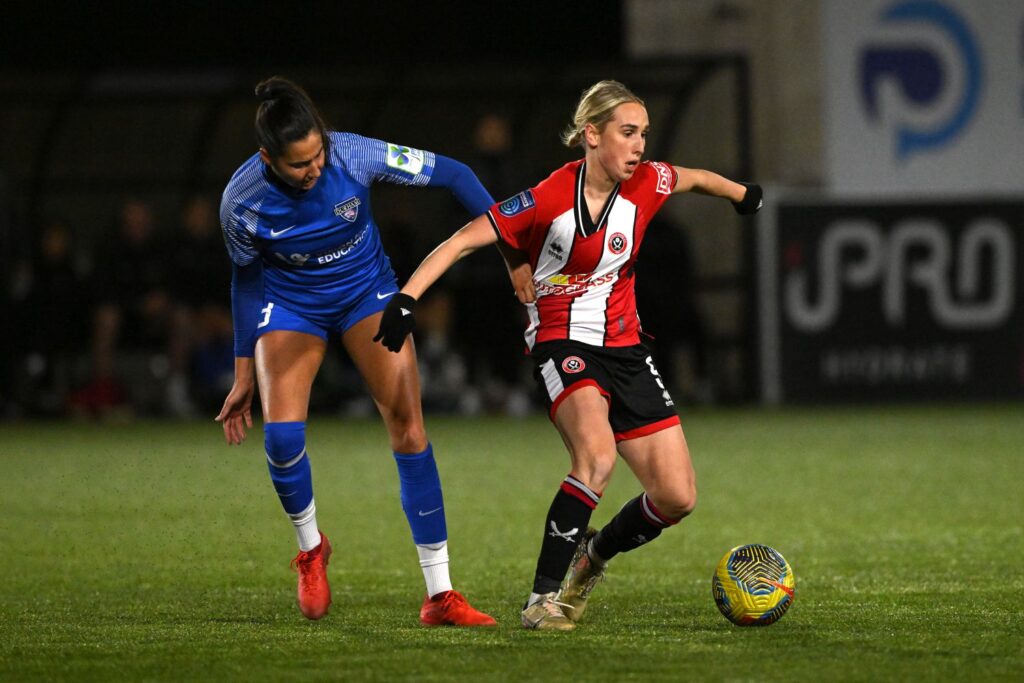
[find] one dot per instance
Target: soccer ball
(753, 585)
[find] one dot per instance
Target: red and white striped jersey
(583, 269)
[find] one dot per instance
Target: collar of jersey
(585, 225)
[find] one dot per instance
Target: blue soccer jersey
(321, 250)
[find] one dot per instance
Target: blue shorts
(277, 316)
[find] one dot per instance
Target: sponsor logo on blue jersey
(405, 159)
(515, 205)
(348, 209)
(293, 259)
(921, 71)
(324, 257)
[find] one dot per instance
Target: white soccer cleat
(546, 615)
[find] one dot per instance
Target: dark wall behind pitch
(193, 34)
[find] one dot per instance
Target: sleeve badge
(516, 205)
(405, 159)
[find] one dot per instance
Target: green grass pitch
(152, 551)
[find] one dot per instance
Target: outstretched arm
(398, 320)
(466, 187)
(246, 299)
(461, 182)
(475, 234)
(746, 197)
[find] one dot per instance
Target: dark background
(194, 34)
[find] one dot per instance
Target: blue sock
(289, 466)
(421, 496)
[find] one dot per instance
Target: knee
(677, 503)
(284, 441)
(404, 423)
(594, 468)
(407, 436)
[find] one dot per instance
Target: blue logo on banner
(921, 74)
(521, 202)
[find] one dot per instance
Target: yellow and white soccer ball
(753, 585)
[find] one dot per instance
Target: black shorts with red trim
(638, 403)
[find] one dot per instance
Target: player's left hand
(236, 413)
(397, 322)
(752, 200)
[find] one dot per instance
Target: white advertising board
(924, 97)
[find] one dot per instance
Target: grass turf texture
(152, 551)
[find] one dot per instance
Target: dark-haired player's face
(621, 143)
(301, 162)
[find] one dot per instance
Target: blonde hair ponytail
(596, 107)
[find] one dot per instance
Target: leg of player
(286, 363)
(582, 421)
(661, 461)
(394, 383)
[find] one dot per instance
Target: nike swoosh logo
(781, 586)
(278, 233)
(428, 512)
(385, 296)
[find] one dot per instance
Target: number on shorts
(657, 378)
(266, 310)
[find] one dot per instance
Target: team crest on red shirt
(617, 243)
(573, 364)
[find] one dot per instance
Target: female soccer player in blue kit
(308, 262)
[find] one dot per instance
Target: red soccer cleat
(314, 591)
(451, 609)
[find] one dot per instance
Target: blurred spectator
(133, 313)
(403, 237)
(489, 320)
(199, 277)
(443, 374)
(492, 157)
(442, 371)
(52, 313)
(675, 322)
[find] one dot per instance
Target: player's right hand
(397, 322)
(236, 414)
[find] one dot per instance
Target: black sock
(637, 523)
(567, 520)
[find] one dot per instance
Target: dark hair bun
(284, 114)
(272, 88)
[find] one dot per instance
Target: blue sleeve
(462, 182)
(368, 160)
(246, 301)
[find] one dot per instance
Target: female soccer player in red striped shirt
(582, 228)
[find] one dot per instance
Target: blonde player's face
(301, 162)
(621, 144)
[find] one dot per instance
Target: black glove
(752, 200)
(397, 322)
